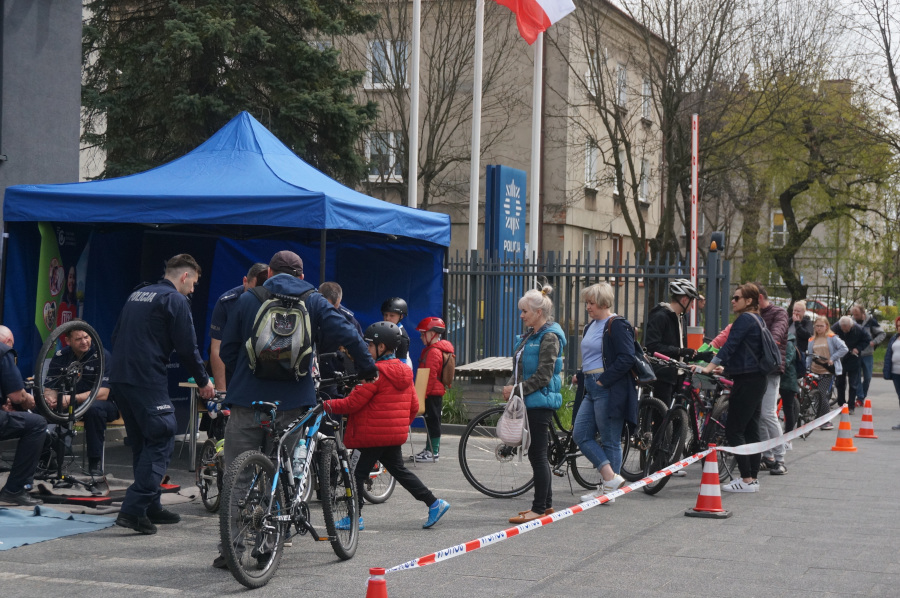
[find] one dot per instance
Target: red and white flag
(535, 16)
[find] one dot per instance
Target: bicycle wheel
(668, 442)
(338, 494)
(379, 486)
(252, 538)
(727, 461)
(636, 441)
(491, 466)
(57, 370)
(209, 477)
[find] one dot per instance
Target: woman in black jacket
(739, 357)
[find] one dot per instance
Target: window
(381, 152)
(621, 85)
(387, 64)
(646, 100)
(644, 192)
(588, 246)
(779, 233)
(321, 45)
(590, 165)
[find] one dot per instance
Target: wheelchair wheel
(59, 371)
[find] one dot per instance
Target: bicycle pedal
(559, 473)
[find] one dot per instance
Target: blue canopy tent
(236, 199)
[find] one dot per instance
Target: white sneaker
(788, 446)
(739, 485)
(426, 456)
(592, 495)
(613, 484)
(679, 474)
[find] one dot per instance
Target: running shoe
(740, 485)
(344, 524)
(435, 512)
(427, 456)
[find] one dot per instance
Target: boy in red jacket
(432, 357)
(380, 414)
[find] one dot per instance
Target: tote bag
(512, 427)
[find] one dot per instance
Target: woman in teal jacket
(537, 363)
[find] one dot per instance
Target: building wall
(40, 91)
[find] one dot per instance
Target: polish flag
(535, 16)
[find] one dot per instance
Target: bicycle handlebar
(685, 366)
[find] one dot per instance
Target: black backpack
(769, 359)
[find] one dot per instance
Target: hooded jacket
(664, 335)
(381, 411)
(432, 357)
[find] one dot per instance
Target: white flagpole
(475, 168)
(413, 181)
(536, 97)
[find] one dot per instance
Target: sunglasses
(736, 298)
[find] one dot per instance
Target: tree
(446, 76)
(164, 75)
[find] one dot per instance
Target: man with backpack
(285, 317)
(440, 359)
(777, 321)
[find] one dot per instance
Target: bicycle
(810, 395)
(502, 471)
(636, 440)
(695, 400)
(210, 467)
(264, 495)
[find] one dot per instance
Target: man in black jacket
(666, 333)
(857, 340)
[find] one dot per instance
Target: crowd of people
(381, 408)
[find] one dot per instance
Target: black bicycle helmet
(387, 333)
(683, 287)
(395, 305)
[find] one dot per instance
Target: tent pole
(322, 248)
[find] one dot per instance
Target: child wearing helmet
(432, 357)
(394, 310)
(380, 414)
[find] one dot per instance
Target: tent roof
(242, 175)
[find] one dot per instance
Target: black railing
(482, 295)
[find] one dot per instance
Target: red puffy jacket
(381, 411)
(432, 357)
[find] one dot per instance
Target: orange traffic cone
(376, 586)
(709, 501)
(844, 440)
(866, 429)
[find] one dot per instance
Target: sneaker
(679, 474)
(766, 463)
(142, 525)
(344, 524)
(220, 563)
(830, 426)
(897, 427)
(779, 469)
(21, 498)
(788, 446)
(163, 517)
(860, 402)
(613, 484)
(427, 456)
(740, 485)
(435, 512)
(853, 412)
(592, 495)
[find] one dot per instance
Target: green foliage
(565, 411)
(454, 410)
(161, 76)
(889, 312)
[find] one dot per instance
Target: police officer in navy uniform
(339, 362)
(15, 422)
(155, 320)
(224, 307)
(102, 410)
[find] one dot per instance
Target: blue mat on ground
(19, 527)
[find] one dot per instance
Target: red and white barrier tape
(453, 551)
(765, 445)
(497, 537)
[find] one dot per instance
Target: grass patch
(453, 411)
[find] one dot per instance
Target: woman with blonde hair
(610, 396)
(537, 364)
(828, 347)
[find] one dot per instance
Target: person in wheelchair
(102, 410)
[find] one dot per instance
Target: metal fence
(481, 295)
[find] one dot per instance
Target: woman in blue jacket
(738, 356)
(610, 395)
(892, 362)
(537, 363)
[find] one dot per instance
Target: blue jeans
(593, 419)
(866, 363)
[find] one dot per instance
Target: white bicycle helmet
(683, 287)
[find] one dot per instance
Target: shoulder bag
(512, 427)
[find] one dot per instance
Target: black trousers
(392, 458)
(31, 430)
(789, 406)
(742, 426)
(433, 406)
(539, 425)
(850, 377)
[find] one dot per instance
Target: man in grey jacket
(777, 321)
(867, 357)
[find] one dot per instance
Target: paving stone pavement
(831, 527)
